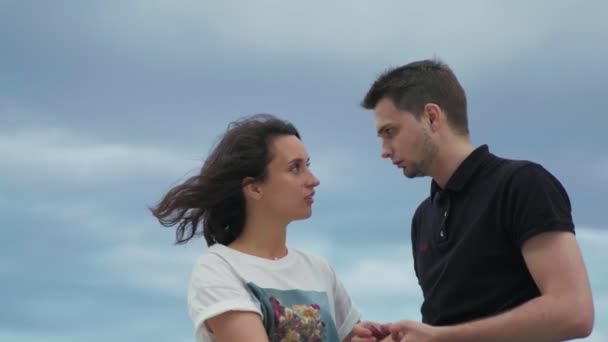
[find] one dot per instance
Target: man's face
(405, 139)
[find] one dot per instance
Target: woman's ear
(251, 188)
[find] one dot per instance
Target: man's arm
(237, 326)
(537, 213)
(563, 311)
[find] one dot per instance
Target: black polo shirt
(467, 238)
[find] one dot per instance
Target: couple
(494, 247)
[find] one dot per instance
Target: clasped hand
(401, 331)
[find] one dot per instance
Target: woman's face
(289, 187)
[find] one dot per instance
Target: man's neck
(450, 158)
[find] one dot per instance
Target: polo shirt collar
(465, 170)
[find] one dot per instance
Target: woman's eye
(296, 168)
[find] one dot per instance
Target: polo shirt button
(441, 233)
(445, 213)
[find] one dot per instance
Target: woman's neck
(262, 238)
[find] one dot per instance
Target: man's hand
(370, 332)
(409, 331)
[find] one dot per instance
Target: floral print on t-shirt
(295, 315)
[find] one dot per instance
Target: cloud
(44, 155)
(163, 269)
(334, 168)
(58, 155)
(593, 244)
(599, 173)
(130, 259)
(76, 178)
(597, 336)
(186, 31)
(379, 276)
(364, 30)
(21, 336)
(389, 272)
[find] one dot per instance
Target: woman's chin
(304, 215)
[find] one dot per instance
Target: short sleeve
(535, 202)
(215, 289)
(347, 315)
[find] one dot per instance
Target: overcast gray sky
(104, 105)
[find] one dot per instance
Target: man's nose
(385, 152)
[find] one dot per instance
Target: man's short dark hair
(413, 85)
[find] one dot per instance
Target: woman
(248, 286)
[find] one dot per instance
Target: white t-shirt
(297, 296)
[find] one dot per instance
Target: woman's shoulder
(213, 254)
(315, 260)
(215, 258)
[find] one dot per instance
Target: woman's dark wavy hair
(212, 203)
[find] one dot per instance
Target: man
(494, 246)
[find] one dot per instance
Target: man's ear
(251, 188)
(434, 115)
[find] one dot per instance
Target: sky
(105, 105)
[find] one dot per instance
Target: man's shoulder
(520, 171)
(506, 167)
(424, 204)
(422, 207)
